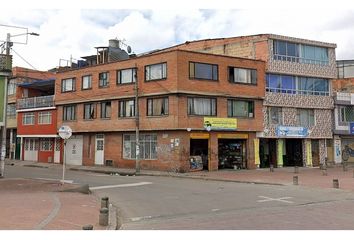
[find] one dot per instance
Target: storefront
(232, 151)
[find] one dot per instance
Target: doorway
(267, 153)
(293, 154)
(232, 153)
(99, 149)
(199, 147)
(315, 152)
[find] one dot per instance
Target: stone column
(280, 144)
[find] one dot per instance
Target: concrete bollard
(295, 180)
(104, 202)
(271, 168)
(296, 169)
(87, 227)
(344, 166)
(335, 183)
(324, 172)
(103, 219)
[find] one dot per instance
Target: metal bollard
(295, 180)
(296, 169)
(271, 168)
(335, 183)
(103, 219)
(87, 227)
(104, 202)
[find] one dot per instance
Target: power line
(24, 59)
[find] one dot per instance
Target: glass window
(89, 111)
(105, 109)
(11, 88)
(148, 146)
(157, 106)
(127, 108)
(126, 76)
(103, 79)
(69, 113)
(275, 115)
(46, 144)
(155, 71)
(306, 117)
(203, 71)
(86, 82)
(202, 106)
(288, 84)
(11, 110)
(28, 119)
(45, 118)
(68, 85)
(237, 108)
(242, 75)
(346, 114)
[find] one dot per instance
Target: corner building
(298, 104)
(180, 94)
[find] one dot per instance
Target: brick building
(189, 103)
(298, 100)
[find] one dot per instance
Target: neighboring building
(18, 76)
(37, 122)
(343, 146)
(180, 94)
(345, 69)
(298, 103)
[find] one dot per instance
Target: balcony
(345, 98)
(35, 102)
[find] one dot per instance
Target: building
(37, 122)
(298, 101)
(343, 145)
(189, 103)
(18, 76)
(345, 69)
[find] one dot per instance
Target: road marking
(121, 185)
(53, 179)
(215, 209)
(135, 219)
(52, 215)
(268, 199)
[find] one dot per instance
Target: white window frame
(162, 74)
(147, 141)
(46, 145)
(64, 83)
(88, 80)
(126, 74)
(28, 119)
(45, 118)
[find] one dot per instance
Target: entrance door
(57, 150)
(31, 149)
(293, 154)
(315, 148)
(73, 150)
(199, 147)
(99, 149)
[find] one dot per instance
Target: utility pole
(137, 142)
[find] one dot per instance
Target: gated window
(46, 144)
(148, 146)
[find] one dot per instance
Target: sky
(74, 32)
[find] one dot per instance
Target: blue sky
(74, 32)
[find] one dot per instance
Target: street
(148, 202)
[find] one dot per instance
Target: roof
(43, 85)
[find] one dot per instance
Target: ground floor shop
(343, 149)
(288, 152)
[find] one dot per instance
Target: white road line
(53, 179)
(268, 199)
(135, 219)
(121, 185)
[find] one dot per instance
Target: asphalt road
(174, 203)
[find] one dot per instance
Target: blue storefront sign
(351, 130)
(286, 131)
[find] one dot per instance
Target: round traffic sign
(65, 132)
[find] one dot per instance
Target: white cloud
(76, 32)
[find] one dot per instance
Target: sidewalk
(310, 177)
(28, 204)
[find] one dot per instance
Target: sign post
(65, 133)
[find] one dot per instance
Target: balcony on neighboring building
(344, 98)
(36, 102)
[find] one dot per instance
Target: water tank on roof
(113, 43)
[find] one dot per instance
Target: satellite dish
(129, 49)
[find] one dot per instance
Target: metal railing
(300, 59)
(36, 102)
(297, 91)
(341, 96)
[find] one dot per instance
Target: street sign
(65, 132)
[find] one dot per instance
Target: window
(294, 52)
(202, 106)
(127, 108)
(346, 114)
(157, 106)
(11, 110)
(45, 118)
(87, 82)
(126, 76)
(68, 85)
(69, 113)
(155, 71)
(11, 88)
(297, 85)
(105, 109)
(237, 108)
(275, 115)
(28, 119)
(103, 79)
(203, 71)
(89, 111)
(306, 117)
(46, 144)
(242, 75)
(148, 146)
